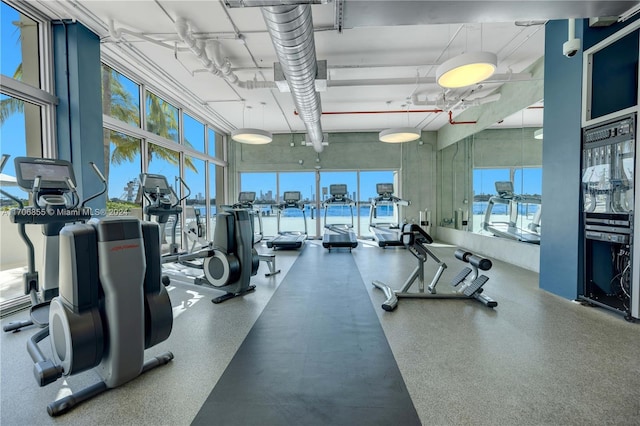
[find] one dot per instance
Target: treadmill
(510, 229)
(385, 233)
(289, 239)
(339, 235)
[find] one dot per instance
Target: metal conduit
(291, 30)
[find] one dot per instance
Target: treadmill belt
(317, 355)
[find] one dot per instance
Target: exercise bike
(468, 284)
(111, 305)
(228, 262)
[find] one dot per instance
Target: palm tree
(119, 104)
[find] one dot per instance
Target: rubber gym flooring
(307, 347)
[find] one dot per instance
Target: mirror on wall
(491, 182)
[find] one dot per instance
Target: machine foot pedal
(475, 285)
(460, 277)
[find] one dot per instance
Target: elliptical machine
(54, 203)
(111, 304)
(245, 201)
(228, 263)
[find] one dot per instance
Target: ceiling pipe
(398, 111)
(211, 58)
(451, 121)
(291, 30)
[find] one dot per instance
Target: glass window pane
(120, 97)
(368, 182)
(166, 162)
(122, 171)
(195, 212)
(20, 129)
(161, 117)
(264, 185)
(216, 148)
(19, 55)
(213, 202)
(193, 133)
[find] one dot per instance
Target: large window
(360, 185)
(19, 55)
(22, 133)
(216, 144)
(122, 170)
(120, 97)
(193, 133)
(161, 117)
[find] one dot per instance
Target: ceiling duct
(291, 30)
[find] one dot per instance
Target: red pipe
(399, 111)
(458, 122)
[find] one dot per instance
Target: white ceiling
(376, 54)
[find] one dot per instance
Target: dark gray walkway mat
(316, 356)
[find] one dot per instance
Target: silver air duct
(291, 30)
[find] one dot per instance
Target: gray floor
(535, 359)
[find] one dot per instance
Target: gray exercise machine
(340, 235)
(289, 239)
(111, 304)
(385, 233)
(228, 263)
(468, 283)
(54, 202)
(245, 201)
(513, 203)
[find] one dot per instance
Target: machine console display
(504, 189)
(292, 196)
(247, 197)
(154, 184)
(338, 189)
(53, 173)
(384, 188)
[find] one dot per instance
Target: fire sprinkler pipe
(459, 122)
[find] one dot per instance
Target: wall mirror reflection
(491, 181)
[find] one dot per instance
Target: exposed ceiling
(381, 55)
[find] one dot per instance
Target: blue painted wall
(76, 60)
(561, 245)
(615, 87)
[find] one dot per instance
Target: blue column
(76, 53)
(561, 245)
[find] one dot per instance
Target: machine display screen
(338, 189)
(504, 188)
(247, 197)
(155, 183)
(384, 188)
(292, 196)
(53, 173)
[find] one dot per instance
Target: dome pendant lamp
(251, 136)
(399, 135)
(466, 69)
